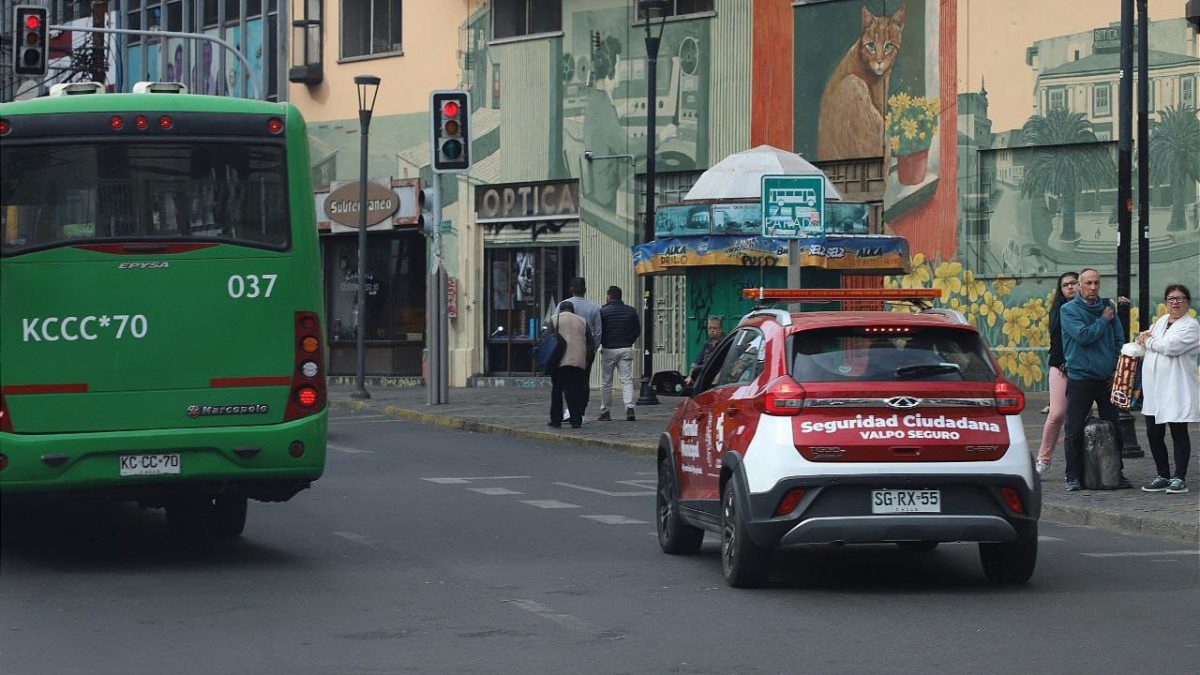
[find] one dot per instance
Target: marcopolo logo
(208, 410)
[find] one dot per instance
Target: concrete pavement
(522, 411)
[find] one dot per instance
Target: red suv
(850, 427)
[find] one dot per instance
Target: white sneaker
(1041, 467)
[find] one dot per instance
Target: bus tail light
(784, 397)
(141, 122)
(1010, 400)
(116, 123)
(5, 416)
(309, 390)
(5, 127)
(274, 125)
(165, 122)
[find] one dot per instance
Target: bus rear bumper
(256, 461)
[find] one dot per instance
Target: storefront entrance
(524, 287)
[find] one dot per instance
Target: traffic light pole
(436, 322)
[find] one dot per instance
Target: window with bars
(514, 18)
(371, 28)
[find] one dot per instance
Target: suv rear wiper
(922, 369)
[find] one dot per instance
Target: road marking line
(607, 493)
(354, 537)
(549, 504)
(495, 491)
(461, 481)
(1043, 537)
(566, 620)
(616, 520)
(1139, 554)
(645, 484)
(349, 451)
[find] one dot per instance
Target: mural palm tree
(1070, 162)
(1174, 147)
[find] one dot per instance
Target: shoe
(604, 417)
(554, 425)
(629, 416)
(1046, 410)
(1157, 485)
(1177, 487)
(1041, 467)
(1073, 486)
(576, 425)
(1124, 483)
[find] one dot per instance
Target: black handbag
(549, 352)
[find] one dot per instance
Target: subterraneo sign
(341, 206)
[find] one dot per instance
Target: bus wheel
(227, 518)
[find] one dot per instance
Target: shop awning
(852, 254)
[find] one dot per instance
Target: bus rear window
(921, 354)
(82, 192)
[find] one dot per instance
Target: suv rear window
(861, 354)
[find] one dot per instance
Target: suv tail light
(784, 396)
(1010, 400)
(308, 390)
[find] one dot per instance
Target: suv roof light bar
(917, 296)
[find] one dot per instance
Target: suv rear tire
(674, 535)
(1011, 562)
(743, 563)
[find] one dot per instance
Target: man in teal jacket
(1092, 336)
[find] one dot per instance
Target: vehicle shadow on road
(103, 535)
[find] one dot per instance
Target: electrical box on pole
(451, 130)
(31, 48)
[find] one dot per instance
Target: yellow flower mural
(947, 277)
(1029, 369)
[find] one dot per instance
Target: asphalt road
(425, 550)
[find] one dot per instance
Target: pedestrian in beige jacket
(569, 379)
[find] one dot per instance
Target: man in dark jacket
(619, 329)
(1092, 336)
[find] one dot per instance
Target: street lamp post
(650, 7)
(368, 89)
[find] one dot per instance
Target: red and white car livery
(850, 427)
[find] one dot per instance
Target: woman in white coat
(1170, 388)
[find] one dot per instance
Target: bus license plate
(149, 464)
(906, 501)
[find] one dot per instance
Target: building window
(1102, 100)
(1058, 99)
(370, 28)
(1187, 91)
(514, 18)
(679, 8)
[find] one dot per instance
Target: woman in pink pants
(1068, 285)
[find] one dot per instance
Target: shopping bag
(1124, 381)
(549, 352)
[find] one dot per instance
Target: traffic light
(30, 43)
(451, 144)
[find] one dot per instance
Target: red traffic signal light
(451, 130)
(30, 44)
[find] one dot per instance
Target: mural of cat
(851, 124)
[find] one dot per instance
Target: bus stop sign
(793, 206)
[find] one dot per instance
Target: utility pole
(1125, 163)
(98, 63)
(1143, 163)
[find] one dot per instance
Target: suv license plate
(149, 464)
(906, 501)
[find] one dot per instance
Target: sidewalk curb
(1063, 514)
(1115, 521)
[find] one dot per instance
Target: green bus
(161, 309)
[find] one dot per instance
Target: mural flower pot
(910, 169)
